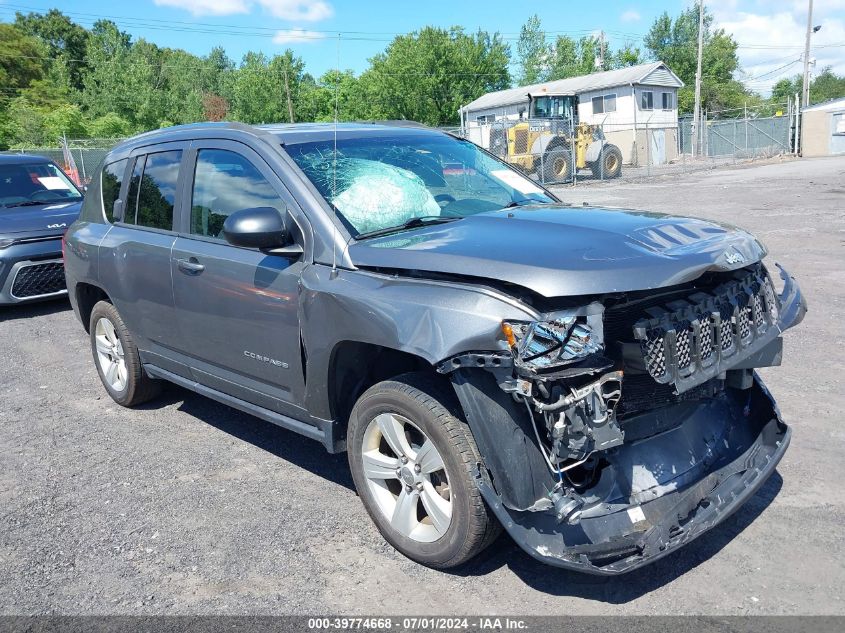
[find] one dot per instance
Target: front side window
(647, 100)
(225, 182)
(380, 182)
(31, 184)
(112, 180)
(152, 190)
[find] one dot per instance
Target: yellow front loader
(550, 151)
(552, 143)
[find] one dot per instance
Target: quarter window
(112, 180)
(152, 190)
(647, 100)
(225, 182)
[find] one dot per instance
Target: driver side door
(237, 308)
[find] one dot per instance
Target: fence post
(745, 118)
(82, 164)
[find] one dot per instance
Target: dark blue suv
(38, 202)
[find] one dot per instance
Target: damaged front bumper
(663, 491)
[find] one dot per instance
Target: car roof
(284, 132)
(22, 159)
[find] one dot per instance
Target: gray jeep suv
(487, 356)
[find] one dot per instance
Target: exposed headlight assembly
(567, 344)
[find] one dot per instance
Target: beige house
(823, 129)
(637, 107)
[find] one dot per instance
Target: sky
(346, 33)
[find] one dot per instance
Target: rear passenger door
(237, 308)
(135, 254)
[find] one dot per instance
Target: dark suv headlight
(541, 346)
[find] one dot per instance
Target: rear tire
(609, 163)
(117, 360)
(557, 165)
(413, 462)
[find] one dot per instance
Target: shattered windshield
(380, 182)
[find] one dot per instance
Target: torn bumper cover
(683, 466)
(662, 492)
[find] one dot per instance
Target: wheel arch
(355, 366)
(87, 295)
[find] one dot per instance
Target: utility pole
(696, 116)
(287, 91)
(601, 50)
(805, 94)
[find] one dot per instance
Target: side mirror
(260, 227)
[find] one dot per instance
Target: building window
(667, 101)
(647, 100)
(485, 118)
(604, 104)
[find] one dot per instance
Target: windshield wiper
(520, 203)
(33, 203)
(425, 220)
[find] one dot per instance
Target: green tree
(259, 94)
(675, 42)
(23, 125)
(428, 75)
(825, 86)
(110, 125)
(572, 59)
(66, 41)
(105, 87)
(627, 55)
(22, 60)
(65, 120)
(533, 52)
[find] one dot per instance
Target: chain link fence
(652, 147)
(559, 151)
(88, 154)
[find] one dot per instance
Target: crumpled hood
(47, 219)
(567, 251)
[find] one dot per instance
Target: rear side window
(152, 190)
(225, 182)
(112, 180)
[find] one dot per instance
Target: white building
(636, 106)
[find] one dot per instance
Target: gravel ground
(185, 506)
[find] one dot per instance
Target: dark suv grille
(687, 342)
(35, 280)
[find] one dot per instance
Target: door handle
(190, 266)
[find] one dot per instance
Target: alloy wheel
(110, 354)
(407, 478)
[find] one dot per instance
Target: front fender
(430, 319)
(594, 151)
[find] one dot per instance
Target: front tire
(609, 163)
(413, 464)
(117, 359)
(557, 165)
